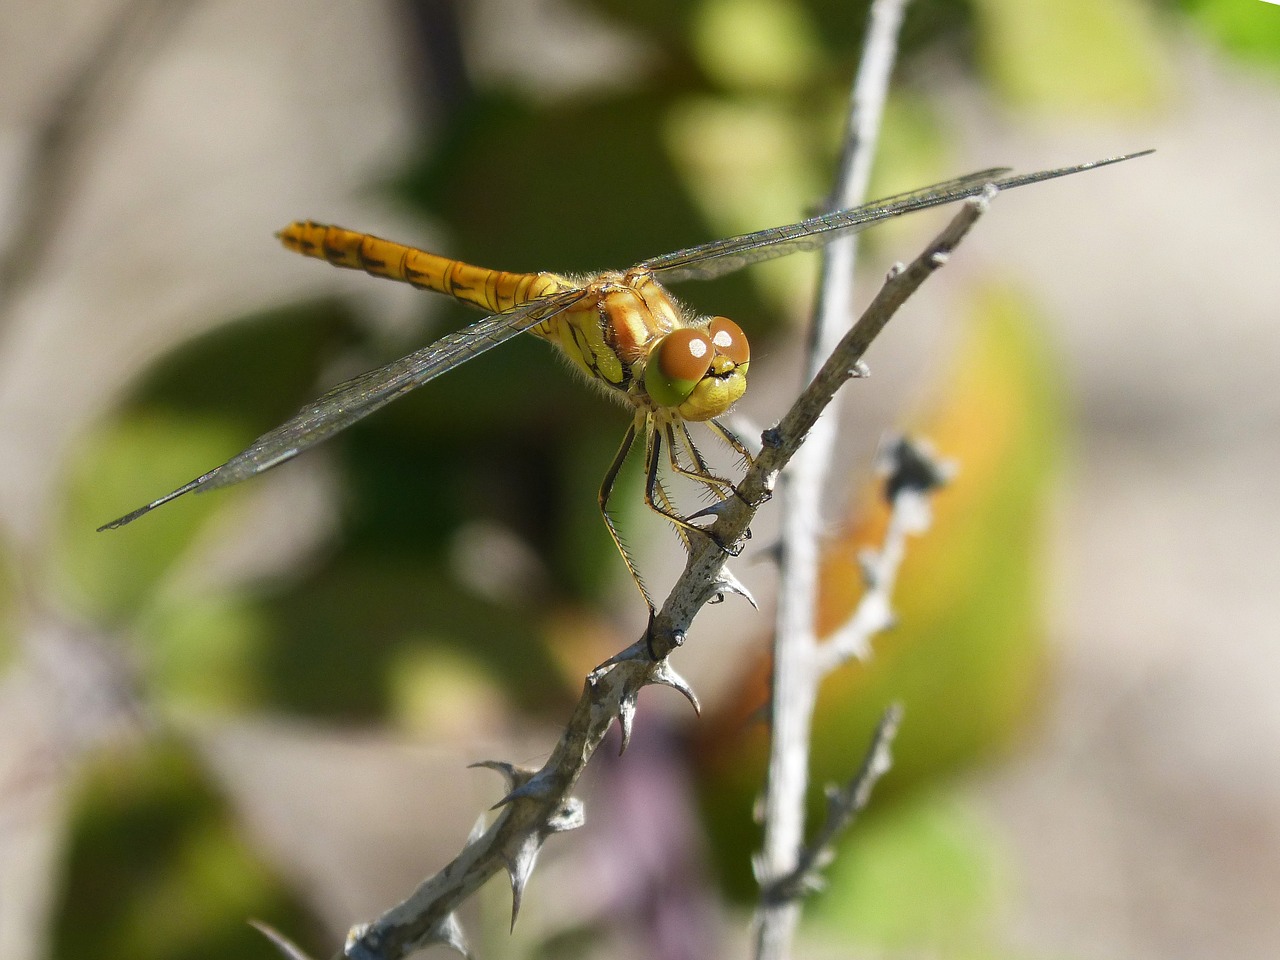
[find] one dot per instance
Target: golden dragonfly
(621, 329)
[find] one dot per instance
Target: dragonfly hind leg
(606, 491)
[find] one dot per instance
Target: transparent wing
(719, 257)
(360, 396)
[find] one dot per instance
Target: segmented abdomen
(492, 290)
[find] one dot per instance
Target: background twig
(843, 806)
(794, 686)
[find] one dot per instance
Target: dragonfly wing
(719, 257)
(360, 396)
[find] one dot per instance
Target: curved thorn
(534, 787)
(626, 719)
(512, 775)
(448, 932)
(727, 582)
(665, 675)
(282, 943)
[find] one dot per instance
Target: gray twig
(912, 474)
(843, 806)
(794, 685)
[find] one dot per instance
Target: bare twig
(843, 806)
(913, 474)
(540, 803)
(794, 688)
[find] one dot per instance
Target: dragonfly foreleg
(732, 439)
(700, 473)
(606, 491)
(657, 499)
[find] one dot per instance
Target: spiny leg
(700, 473)
(731, 489)
(606, 491)
(654, 492)
(733, 440)
(660, 493)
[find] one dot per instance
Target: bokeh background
(261, 702)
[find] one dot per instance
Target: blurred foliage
(924, 876)
(156, 868)
(966, 658)
(1073, 57)
(1248, 31)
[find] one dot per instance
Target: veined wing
(719, 257)
(360, 396)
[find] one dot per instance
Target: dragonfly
(622, 330)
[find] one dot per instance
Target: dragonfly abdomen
(491, 290)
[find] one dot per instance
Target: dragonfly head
(700, 373)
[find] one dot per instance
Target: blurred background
(261, 702)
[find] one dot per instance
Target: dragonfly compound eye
(729, 340)
(678, 361)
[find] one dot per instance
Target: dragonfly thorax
(630, 334)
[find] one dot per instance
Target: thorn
(535, 787)
(728, 583)
(448, 932)
(715, 510)
(521, 781)
(519, 868)
(639, 650)
(282, 943)
(512, 775)
(520, 865)
(664, 674)
(626, 718)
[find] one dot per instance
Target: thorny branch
(540, 803)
